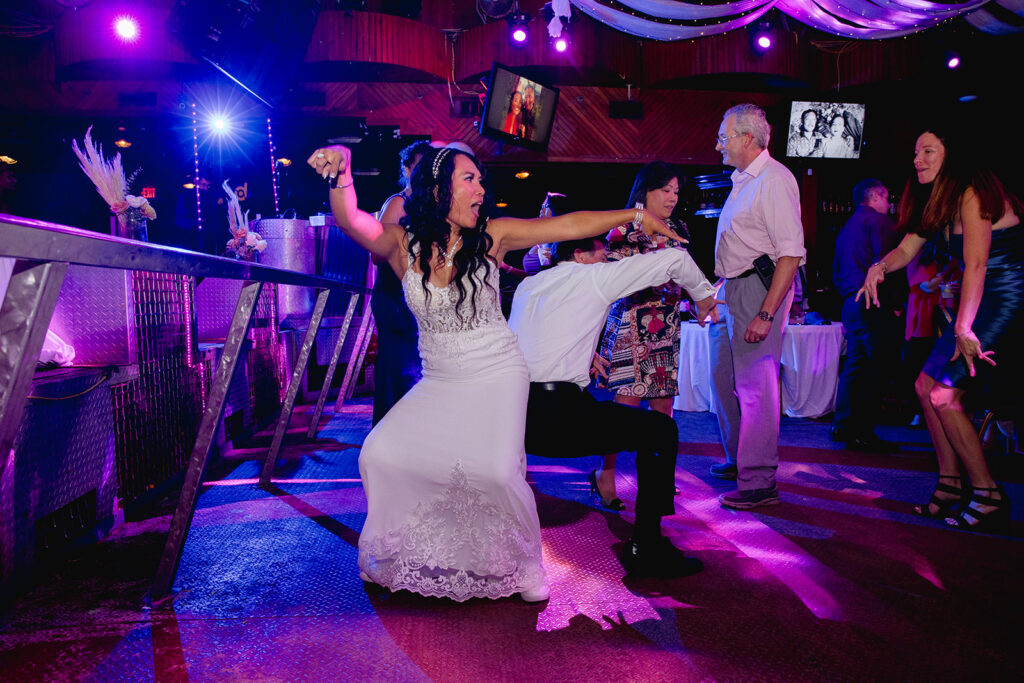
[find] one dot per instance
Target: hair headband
(439, 159)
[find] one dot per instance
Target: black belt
(555, 386)
(746, 273)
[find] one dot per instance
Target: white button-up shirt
(558, 313)
(760, 216)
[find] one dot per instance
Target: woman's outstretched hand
(652, 225)
(869, 290)
(330, 162)
(968, 346)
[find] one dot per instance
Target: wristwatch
(766, 316)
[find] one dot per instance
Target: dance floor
(839, 583)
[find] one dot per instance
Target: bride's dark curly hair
(426, 222)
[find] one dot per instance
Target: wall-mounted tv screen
(518, 110)
(825, 130)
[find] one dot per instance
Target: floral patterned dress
(641, 335)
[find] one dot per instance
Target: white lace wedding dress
(449, 512)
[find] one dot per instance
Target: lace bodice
(461, 342)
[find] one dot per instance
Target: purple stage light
(764, 42)
(519, 35)
(126, 28)
(561, 45)
(953, 62)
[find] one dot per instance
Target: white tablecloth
(810, 369)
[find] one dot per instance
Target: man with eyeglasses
(759, 246)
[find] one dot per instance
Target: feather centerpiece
(109, 179)
(244, 244)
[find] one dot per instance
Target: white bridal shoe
(538, 593)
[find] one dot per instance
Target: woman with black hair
(449, 512)
(640, 345)
(805, 141)
(398, 360)
(966, 210)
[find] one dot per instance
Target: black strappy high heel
(615, 504)
(945, 505)
(996, 519)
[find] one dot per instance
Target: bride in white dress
(449, 512)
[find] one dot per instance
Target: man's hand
(757, 331)
(705, 307)
(599, 367)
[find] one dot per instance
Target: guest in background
(398, 358)
(871, 334)
(539, 256)
(761, 217)
(640, 347)
(963, 206)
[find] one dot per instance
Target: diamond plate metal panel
(63, 451)
(157, 415)
(95, 314)
(215, 304)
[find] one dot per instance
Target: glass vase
(131, 224)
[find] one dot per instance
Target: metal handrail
(34, 240)
(43, 252)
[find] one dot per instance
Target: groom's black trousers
(565, 421)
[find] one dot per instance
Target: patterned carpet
(839, 583)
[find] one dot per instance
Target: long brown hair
(925, 209)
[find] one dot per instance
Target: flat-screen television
(825, 130)
(258, 45)
(518, 110)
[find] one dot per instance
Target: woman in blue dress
(966, 209)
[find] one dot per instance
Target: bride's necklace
(450, 254)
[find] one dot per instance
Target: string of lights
(273, 167)
(195, 159)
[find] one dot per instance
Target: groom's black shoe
(656, 556)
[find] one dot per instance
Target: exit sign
(149, 192)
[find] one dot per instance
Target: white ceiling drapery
(861, 19)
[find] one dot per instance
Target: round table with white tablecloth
(809, 377)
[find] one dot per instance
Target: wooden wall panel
(843, 64)
(379, 39)
(726, 53)
(677, 126)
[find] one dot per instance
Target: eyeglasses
(723, 139)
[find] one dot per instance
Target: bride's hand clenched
(330, 162)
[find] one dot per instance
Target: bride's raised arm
(381, 239)
(521, 233)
